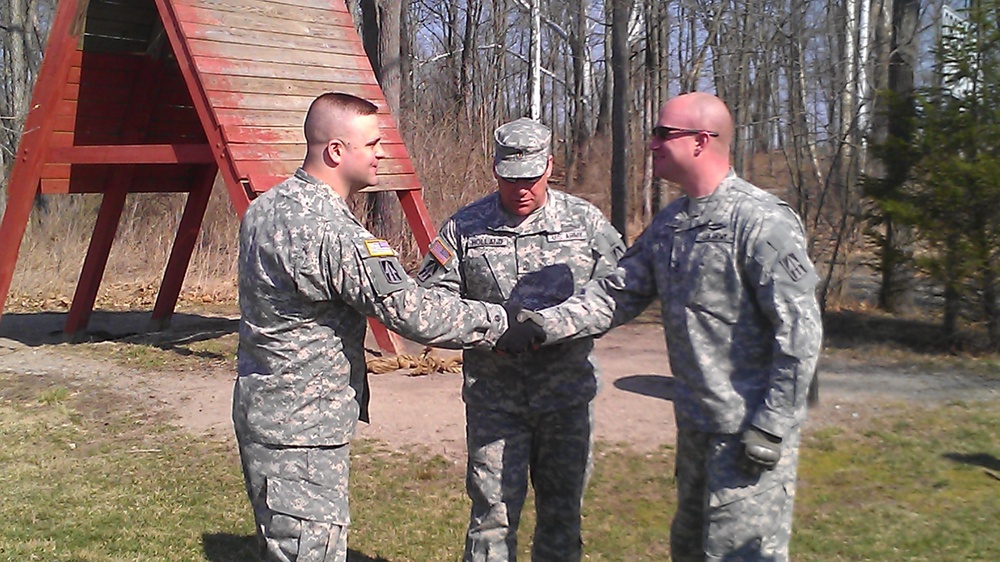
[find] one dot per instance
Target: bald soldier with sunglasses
(728, 263)
(532, 247)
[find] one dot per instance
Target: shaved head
(691, 142)
(329, 116)
(699, 110)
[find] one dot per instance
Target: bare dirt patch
(633, 409)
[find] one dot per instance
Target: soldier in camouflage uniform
(309, 274)
(743, 328)
(531, 247)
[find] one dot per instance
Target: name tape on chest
(378, 248)
(714, 236)
(441, 252)
(567, 236)
(486, 241)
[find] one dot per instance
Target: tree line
(845, 108)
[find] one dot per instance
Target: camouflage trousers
(725, 513)
(299, 500)
(505, 449)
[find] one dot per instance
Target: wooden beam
(180, 254)
(132, 154)
(24, 177)
(94, 264)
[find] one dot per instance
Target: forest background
(878, 120)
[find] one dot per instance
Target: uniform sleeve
(372, 281)
(608, 248)
(440, 268)
(785, 283)
(608, 301)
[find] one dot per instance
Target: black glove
(761, 450)
(524, 331)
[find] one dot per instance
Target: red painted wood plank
(285, 135)
(272, 14)
(289, 54)
(335, 40)
(133, 154)
(266, 69)
(265, 85)
(188, 67)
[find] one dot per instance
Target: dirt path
(633, 409)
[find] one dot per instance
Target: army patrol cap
(521, 149)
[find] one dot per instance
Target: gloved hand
(524, 331)
(761, 450)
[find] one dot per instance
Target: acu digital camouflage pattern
(300, 500)
(309, 274)
(747, 516)
(532, 409)
(738, 303)
(536, 264)
(521, 149)
(743, 331)
(558, 445)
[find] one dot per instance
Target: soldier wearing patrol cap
(309, 274)
(728, 263)
(530, 246)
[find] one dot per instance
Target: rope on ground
(423, 364)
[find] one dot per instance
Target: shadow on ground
(44, 328)
(848, 329)
(227, 547)
(655, 386)
(984, 460)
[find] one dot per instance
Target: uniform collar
(544, 219)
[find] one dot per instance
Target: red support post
(180, 254)
(95, 262)
(418, 217)
(22, 184)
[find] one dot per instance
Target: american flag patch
(441, 252)
(378, 248)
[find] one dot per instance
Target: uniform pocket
(306, 501)
(714, 280)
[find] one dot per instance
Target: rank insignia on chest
(378, 248)
(441, 252)
(567, 236)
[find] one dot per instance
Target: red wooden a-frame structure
(162, 95)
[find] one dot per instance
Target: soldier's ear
(335, 150)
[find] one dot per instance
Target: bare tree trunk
(604, 111)
(381, 35)
(535, 66)
(619, 115)
(896, 291)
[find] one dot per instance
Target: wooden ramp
(164, 95)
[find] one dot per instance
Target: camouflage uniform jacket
(539, 263)
(738, 304)
(309, 273)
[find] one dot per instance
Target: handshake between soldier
(524, 331)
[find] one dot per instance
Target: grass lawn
(87, 476)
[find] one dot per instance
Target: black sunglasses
(663, 132)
